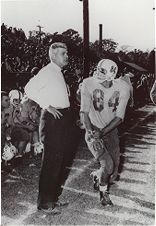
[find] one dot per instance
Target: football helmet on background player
(15, 97)
(9, 152)
(38, 148)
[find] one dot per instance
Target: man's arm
(84, 114)
(54, 112)
(120, 112)
(86, 121)
(33, 89)
(112, 125)
(85, 106)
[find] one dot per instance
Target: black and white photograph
(78, 112)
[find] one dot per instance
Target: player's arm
(112, 125)
(85, 106)
(22, 119)
(86, 120)
(86, 100)
(120, 112)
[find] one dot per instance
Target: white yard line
(79, 171)
(126, 202)
(20, 221)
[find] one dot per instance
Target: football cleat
(95, 181)
(105, 199)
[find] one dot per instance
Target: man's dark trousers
(55, 135)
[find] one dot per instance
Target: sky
(130, 23)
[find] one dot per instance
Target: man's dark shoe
(105, 199)
(95, 181)
(49, 210)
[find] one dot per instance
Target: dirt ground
(133, 194)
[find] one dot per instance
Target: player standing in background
(18, 132)
(103, 104)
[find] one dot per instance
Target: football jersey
(104, 104)
(30, 112)
(26, 113)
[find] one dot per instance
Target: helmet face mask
(106, 70)
(16, 102)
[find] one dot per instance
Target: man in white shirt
(103, 104)
(49, 90)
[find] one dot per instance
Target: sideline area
(133, 195)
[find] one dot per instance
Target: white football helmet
(9, 152)
(15, 97)
(38, 148)
(106, 70)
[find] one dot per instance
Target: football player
(18, 132)
(103, 104)
(30, 116)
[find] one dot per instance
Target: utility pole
(85, 38)
(40, 31)
(100, 38)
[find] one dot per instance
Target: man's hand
(131, 104)
(97, 134)
(103, 132)
(93, 138)
(112, 125)
(31, 127)
(97, 144)
(54, 112)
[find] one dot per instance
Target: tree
(73, 41)
(108, 45)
